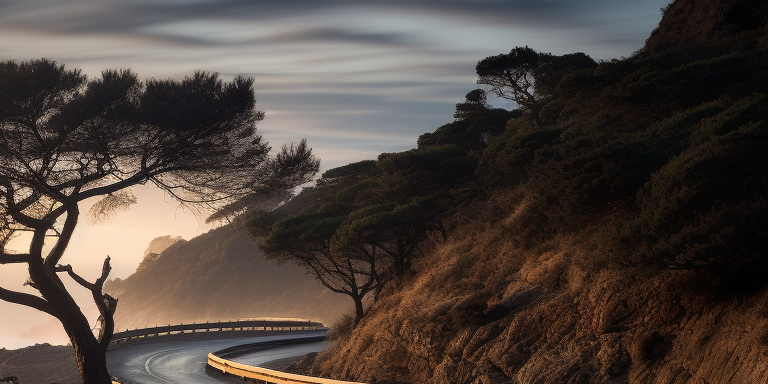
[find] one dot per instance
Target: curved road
(182, 362)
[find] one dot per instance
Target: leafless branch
(26, 299)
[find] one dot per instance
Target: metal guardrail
(244, 349)
(268, 375)
(251, 325)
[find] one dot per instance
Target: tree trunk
(90, 355)
(91, 358)
(535, 111)
(359, 312)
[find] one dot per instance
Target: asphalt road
(183, 361)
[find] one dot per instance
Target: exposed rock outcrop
(707, 26)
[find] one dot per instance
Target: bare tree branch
(64, 236)
(77, 278)
(26, 299)
(14, 258)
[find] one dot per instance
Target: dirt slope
(486, 311)
(40, 364)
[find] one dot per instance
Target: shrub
(707, 207)
(342, 328)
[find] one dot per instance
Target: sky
(355, 78)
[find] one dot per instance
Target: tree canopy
(528, 77)
(65, 138)
(362, 224)
(305, 231)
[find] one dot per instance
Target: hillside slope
(708, 26)
(620, 239)
(481, 309)
(40, 364)
(219, 275)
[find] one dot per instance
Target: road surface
(183, 362)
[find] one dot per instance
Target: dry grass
(40, 364)
(484, 307)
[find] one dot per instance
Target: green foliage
(725, 164)
(424, 171)
(503, 163)
(295, 231)
(472, 132)
(706, 207)
(395, 230)
(382, 224)
(676, 146)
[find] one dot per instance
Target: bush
(706, 208)
(342, 328)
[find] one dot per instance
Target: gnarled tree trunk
(90, 350)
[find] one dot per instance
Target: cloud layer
(370, 70)
(356, 78)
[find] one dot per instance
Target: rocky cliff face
(219, 275)
(704, 26)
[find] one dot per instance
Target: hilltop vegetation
(612, 229)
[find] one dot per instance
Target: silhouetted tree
(307, 239)
(528, 77)
(65, 138)
(512, 76)
(304, 230)
(475, 124)
(362, 224)
(474, 103)
(397, 230)
(554, 68)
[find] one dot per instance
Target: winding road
(184, 361)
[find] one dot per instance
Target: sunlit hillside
(613, 232)
(219, 275)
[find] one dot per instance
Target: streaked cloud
(354, 77)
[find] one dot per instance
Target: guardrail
(251, 325)
(267, 375)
